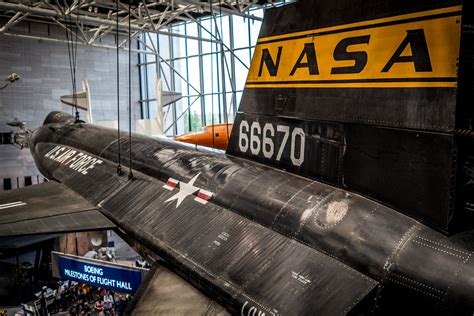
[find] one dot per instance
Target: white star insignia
(185, 189)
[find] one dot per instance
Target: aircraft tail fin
(81, 99)
(370, 96)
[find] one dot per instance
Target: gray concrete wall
(45, 76)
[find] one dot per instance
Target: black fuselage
(414, 267)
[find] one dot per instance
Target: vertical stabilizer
(371, 96)
(81, 99)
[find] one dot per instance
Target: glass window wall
(201, 70)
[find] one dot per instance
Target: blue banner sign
(112, 276)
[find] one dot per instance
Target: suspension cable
(221, 36)
(212, 78)
(75, 67)
(72, 56)
(130, 173)
(119, 166)
(68, 52)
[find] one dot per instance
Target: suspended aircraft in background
(11, 78)
(345, 187)
(150, 127)
(214, 136)
(17, 123)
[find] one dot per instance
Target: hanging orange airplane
(215, 136)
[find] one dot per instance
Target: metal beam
(68, 30)
(207, 7)
(14, 20)
(89, 20)
(55, 40)
(162, 60)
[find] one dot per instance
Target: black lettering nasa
(416, 39)
(267, 59)
(77, 161)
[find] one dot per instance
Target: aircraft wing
(255, 269)
(47, 208)
(165, 293)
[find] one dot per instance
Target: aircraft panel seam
(442, 245)
(313, 209)
(54, 215)
(418, 283)
(415, 289)
(438, 249)
(287, 202)
(402, 240)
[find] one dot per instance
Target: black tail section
(369, 96)
(58, 117)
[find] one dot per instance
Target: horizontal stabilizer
(49, 207)
(81, 99)
(170, 97)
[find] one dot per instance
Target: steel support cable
(72, 61)
(212, 80)
(130, 173)
(68, 50)
(220, 40)
(75, 67)
(67, 41)
(221, 37)
(119, 166)
(72, 54)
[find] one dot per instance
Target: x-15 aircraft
(347, 185)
